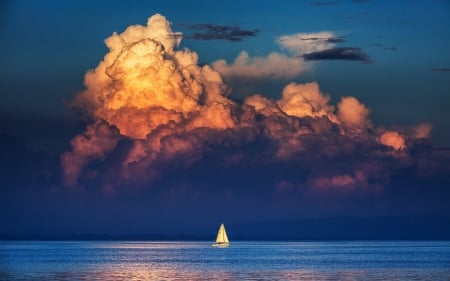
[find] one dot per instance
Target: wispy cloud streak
(441, 69)
(210, 31)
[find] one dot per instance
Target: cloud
(393, 139)
(220, 32)
(341, 53)
(353, 113)
(277, 66)
(422, 130)
(343, 183)
(159, 118)
(322, 3)
(274, 66)
(321, 46)
(441, 69)
(98, 140)
(381, 46)
(303, 43)
(305, 100)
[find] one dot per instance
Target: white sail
(222, 238)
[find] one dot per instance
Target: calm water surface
(241, 261)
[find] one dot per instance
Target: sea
(242, 260)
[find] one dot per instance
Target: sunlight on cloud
(274, 66)
(152, 106)
(305, 43)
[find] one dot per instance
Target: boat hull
(221, 245)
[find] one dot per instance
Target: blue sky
(392, 56)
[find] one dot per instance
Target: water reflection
(122, 273)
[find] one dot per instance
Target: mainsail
(222, 238)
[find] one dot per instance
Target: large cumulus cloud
(154, 111)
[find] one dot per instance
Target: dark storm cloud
(441, 69)
(334, 40)
(342, 53)
(230, 33)
(322, 3)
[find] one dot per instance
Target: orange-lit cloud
(303, 100)
(169, 113)
(393, 139)
(143, 82)
(422, 130)
(353, 113)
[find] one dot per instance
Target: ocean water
(106, 260)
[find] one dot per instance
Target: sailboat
(222, 238)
